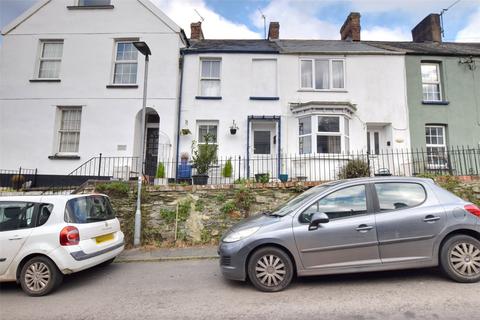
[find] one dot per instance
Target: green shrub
(184, 208)
(115, 188)
(220, 197)
(264, 178)
(199, 205)
(160, 171)
(228, 207)
(354, 169)
(244, 199)
(227, 169)
(168, 215)
(204, 155)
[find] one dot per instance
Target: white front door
(373, 141)
(264, 144)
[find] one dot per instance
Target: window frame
(377, 200)
(114, 62)
(59, 131)
(344, 122)
(368, 202)
(431, 145)
(209, 123)
(330, 74)
(79, 4)
(439, 82)
(41, 59)
(201, 78)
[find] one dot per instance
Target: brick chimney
(196, 31)
(351, 27)
(428, 29)
(273, 30)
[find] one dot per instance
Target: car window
(16, 215)
(342, 203)
(44, 213)
(88, 209)
(399, 195)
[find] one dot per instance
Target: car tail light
(69, 236)
(473, 209)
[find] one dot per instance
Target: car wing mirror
(317, 219)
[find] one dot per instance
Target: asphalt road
(196, 290)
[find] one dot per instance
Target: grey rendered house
(443, 91)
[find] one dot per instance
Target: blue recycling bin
(184, 171)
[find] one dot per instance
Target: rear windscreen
(88, 209)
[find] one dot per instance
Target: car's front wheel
(460, 258)
(270, 269)
(39, 276)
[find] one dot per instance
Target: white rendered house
(71, 84)
(316, 99)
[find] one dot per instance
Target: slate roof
(332, 47)
(430, 48)
(232, 46)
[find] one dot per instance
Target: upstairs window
(431, 85)
(69, 129)
(125, 64)
(322, 74)
(264, 78)
(50, 59)
(210, 77)
(93, 3)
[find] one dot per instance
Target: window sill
(322, 90)
(63, 157)
(89, 7)
(442, 103)
(207, 98)
(44, 80)
(265, 98)
(122, 86)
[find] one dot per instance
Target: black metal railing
(457, 161)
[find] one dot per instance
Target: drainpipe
(177, 148)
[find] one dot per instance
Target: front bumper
(233, 258)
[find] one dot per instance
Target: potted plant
(227, 170)
(203, 156)
(283, 176)
(160, 175)
(185, 132)
(233, 128)
(262, 177)
(184, 156)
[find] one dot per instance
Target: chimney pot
(351, 27)
(273, 30)
(196, 32)
(428, 29)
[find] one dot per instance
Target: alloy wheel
(465, 259)
(37, 276)
(270, 270)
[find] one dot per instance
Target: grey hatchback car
(357, 225)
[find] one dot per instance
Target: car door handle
(364, 228)
(16, 238)
(431, 218)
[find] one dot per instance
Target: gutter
(179, 114)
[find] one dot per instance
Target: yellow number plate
(104, 238)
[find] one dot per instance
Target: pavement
(165, 254)
(195, 289)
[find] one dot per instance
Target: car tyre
(460, 259)
(270, 269)
(40, 276)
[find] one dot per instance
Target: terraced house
(443, 86)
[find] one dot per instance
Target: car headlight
(240, 234)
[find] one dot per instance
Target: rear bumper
(70, 260)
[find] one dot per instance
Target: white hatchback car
(44, 237)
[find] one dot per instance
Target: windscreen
(88, 209)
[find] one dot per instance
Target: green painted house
(443, 90)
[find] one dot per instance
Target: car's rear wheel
(460, 258)
(39, 276)
(270, 269)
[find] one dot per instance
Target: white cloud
(215, 26)
(386, 34)
(297, 20)
(471, 33)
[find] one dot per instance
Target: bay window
(331, 135)
(322, 74)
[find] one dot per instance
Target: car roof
(378, 179)
(46, 198)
